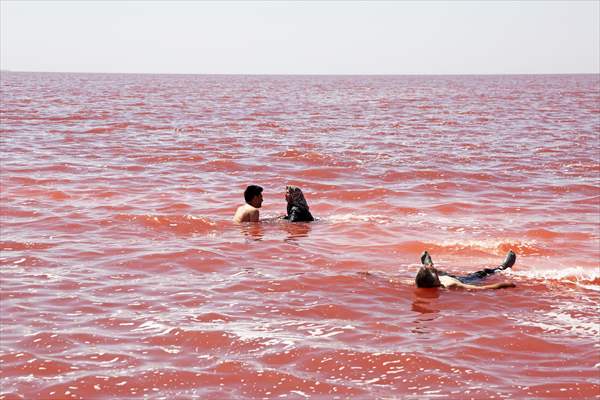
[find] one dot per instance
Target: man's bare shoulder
(246, 213)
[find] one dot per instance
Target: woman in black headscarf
(297, 207)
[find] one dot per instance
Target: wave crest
(178, 224)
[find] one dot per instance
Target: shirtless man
(249, 211)
(430, 277)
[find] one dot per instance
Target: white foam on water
(492, 245)
(579, 276)
(153, 327)
(577, 319)
(271, 334)
(562, 323)
(379, 219)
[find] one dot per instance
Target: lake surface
(122, 275)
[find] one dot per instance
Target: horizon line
(304, 74)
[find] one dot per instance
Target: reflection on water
(293, 231)
(252, 230)
(296, 230)
(424, 301)
(425, 304)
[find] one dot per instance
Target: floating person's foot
(426, 259)
(509, 261)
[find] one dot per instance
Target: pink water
(123, 277)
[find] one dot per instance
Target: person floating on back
(430, 277)
(249, 211)
(297, 207)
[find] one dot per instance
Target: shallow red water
(123, 277)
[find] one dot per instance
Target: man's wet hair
(251, 191)
(426, 278)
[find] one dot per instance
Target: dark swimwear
(479, 275)
(298, 214)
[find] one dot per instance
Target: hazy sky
(301, 37)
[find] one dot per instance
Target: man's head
(253, 195)
(427, 278)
